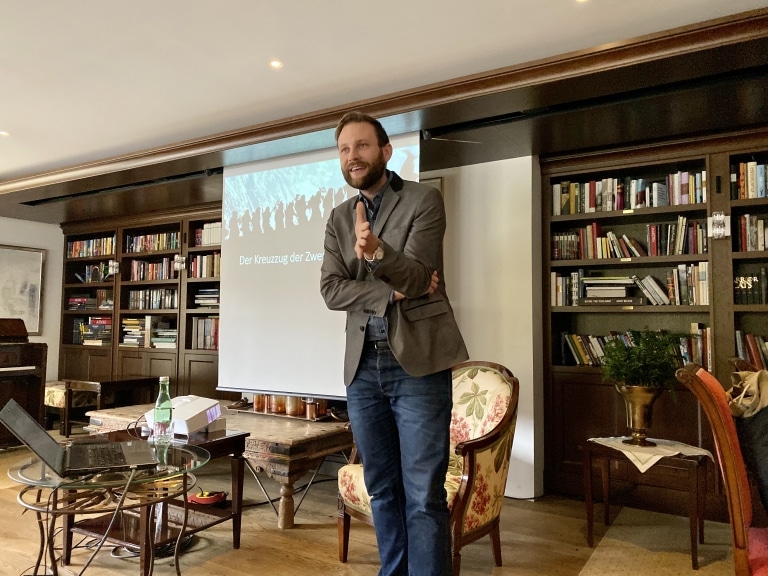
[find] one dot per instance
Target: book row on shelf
(684, 284)
(208, 235)
(588, 349)
(161, 270)
(748, 180)
(205, 265)
(148, 332)
(751, 288)
(207, 297)
(752, 233)
(205, 333)
(152, 242)
(153, 299)
(90, 247)
(753, 348)
(104, 300)
(608, 194)
(93, 331)
(590, 242)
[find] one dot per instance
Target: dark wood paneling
(83, 363)
(201, 375)
(130, 364)
(138, 363)
(567, 102)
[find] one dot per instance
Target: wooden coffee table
(285, 449)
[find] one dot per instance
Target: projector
(190, 413)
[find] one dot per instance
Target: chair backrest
(483, 421)
(482, 392)
(711, 396)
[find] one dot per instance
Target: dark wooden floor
(546, 536)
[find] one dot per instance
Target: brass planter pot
(639, 404)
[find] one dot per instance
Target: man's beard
(374, 174)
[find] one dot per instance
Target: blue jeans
(401, 428)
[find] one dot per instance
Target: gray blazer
(423, 333)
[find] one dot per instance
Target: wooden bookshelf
(164, 288)
(578, 403)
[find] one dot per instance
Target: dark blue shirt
(376, 329)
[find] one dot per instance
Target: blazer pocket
(419, 309)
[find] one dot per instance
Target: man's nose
(354, 153)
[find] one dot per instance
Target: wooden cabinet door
(162, 364)
(200, 376)
(81, 363)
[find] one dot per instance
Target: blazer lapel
(388, 203)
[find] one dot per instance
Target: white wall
(493, 278)
(27, 234)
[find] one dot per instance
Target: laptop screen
(29, 431)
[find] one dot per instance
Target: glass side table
(141, 508)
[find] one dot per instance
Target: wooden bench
(56, 408)
(74, 397)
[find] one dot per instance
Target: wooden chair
(750, 544)
(481, 440)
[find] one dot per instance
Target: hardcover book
(606, 291)
(658, 290)
(645, 290)
(612, 301)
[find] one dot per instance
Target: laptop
(77, 458)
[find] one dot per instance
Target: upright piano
(22, 373)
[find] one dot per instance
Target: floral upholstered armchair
(485, 398)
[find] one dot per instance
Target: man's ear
(387, 151)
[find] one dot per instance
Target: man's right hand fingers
(361, 217)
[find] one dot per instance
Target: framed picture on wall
(21, 284)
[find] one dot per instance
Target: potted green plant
(642, 365)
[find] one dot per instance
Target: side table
(693, 463)
(148, 495)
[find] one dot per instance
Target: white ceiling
(86, 80)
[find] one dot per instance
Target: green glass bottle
(162, 429)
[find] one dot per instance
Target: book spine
(741, 347)
(657, 289)
(753, 352)
(572, 348)
(611, 301)
(644, 289)
(583, 354)
(751, 179)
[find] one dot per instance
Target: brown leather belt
(376, 345)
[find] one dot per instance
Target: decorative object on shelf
(719, 225)
(642, 365)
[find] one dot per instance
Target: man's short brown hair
(359, 117)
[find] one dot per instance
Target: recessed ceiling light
(275, 64)
(4, 133)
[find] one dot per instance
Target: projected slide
(276, 333)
